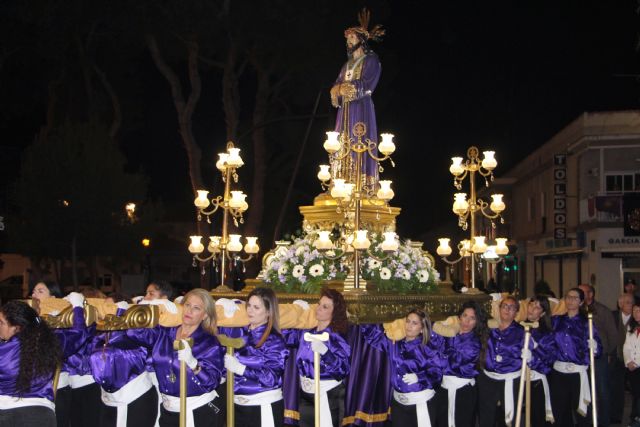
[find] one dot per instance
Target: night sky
(501, 75)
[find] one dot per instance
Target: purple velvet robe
(264, 366)
(504, 349)
(9, 368)
(334, 364)
(206, 349)
(361, 109)
(462, 352)
(544, 351)
(118, 362)
(571, 336)
(427, 361)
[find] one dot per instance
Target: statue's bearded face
(353, 42)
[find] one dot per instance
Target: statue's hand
(347, 91)
(335, 93)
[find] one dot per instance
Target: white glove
(136, 300)
(464, 290)
(593, 344)
(496, 296)
(232, 364)
(318, 347)
(410, 378)
(54, 313)
(230, 307)
(76, 299)
(123, 305)
(526, 354)
(171, 307)
(186, 355)
(302, 303)
(179, 299)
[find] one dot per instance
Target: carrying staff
(417, 363)
(204, 361)
(331, 315)
(502, 364)
(570, 394)
(259, 365)
(29, 356)
(457, 399)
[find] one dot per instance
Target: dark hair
(117, 297)
(40, 353)
(633, 323)
(544, 323)
(93, 292)
(582, 311)
(164, 287)
(481, 330)
(339, 322)
(270, 301)
(53, 287)
(426, 323)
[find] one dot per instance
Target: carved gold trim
(64, 320)
(370, 418)
(137, 316)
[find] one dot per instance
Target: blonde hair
(209, 323)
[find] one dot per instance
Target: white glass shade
(385, 192)
(444, 249)
(490, 253)
(489, 162)
(456, 167)
(361, 241)
(324, 174)
(479, 245)
(465, 247)
(348, 190)
(234, 158)
(237, 199)
(244, 206)
(460, 204)
(196, 245)
(252, 245)
(389, 243)
(323, 242)
(332, 144)
(501, 246)
(202, 201)
(387, 146)
(221, 164)
(497, 205)
(234, 244)
(338, 191)
(214, 244)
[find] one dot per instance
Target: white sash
(535, 376)
(127, 394)
(11, 402)
(420, 399)
(585, 393)
(508, 392)
(264, 400)
(78, 381)
(452, 384)
(63, 379)
(172, 404)
(308, 386)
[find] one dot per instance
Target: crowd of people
(465, 376)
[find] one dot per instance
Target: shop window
(622, 183)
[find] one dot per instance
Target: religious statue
(351, 94)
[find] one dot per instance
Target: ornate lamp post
(225, 247)
(466, 209)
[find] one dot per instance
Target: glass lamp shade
(490, 253)
(338, 191)
(324, 174)
(202, 201)
(234, 158)
(196, 245)
(331, 145)
(214, 244)
(489, 162)
(348, 188)
(237, 199)
(390, 243)
(361, 241)
(501, 246)
(479, 245)
(456, 167)
(385, 192)
(460, 204)
(252, 245)
(234, 244)
(221, 164)
(244, 206)
(323, 242)
(444, 249)
(387, 146)
(465, 247)
(497, 205)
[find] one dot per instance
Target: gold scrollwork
(64, 320)
(137, 316)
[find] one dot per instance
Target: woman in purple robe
(498, 381)
(259, 365)
(118, 365)
(335, 353)
(204, 361)
(29, 356)
(417, 363)
(457, 399)
(569, 381)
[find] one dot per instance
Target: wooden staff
(316, 373)
(525, 377)
(231, 344)
(56, 380)
(594, 409)
(178, 345)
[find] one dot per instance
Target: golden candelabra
(225, 247)
(350, 193)
(475, 248)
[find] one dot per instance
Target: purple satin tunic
(264, 365)
(462, 353)
(206, 348)
(427, 361)
(77, 362)
(543, 353)
(334, 364)
(571, 335)
(74, 338)
(504, 349)
(118, 362)
(9, 368)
